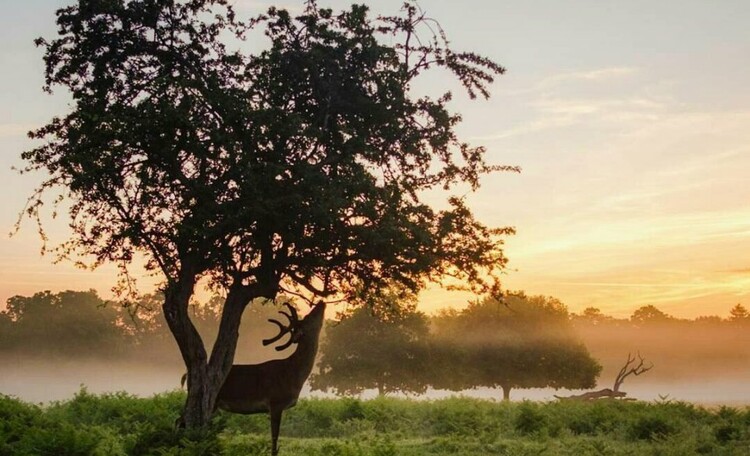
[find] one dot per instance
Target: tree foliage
(312, 151)
(649, 315)
(594, 316)
(364, 351)
(520, 342)
(298, 169)
(508, 317)
(739, 314)
(77, 323)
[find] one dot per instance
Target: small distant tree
(522, 342)
(649, 315)
(364, 351)
(739, 314)
(6, 326)
(538, 364)
(594, 316)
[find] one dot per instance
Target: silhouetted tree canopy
(69, 323)
(299, 169)
(519, 342)
(594, 316)
(506, 318)
(739, 314)
(649, 315)
(363, 352)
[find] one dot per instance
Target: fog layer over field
(698, 363)
(52, 344)
(44, 381)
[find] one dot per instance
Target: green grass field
(119, 424)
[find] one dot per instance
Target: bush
(599, 417)
(16, 421)
(651, 428)
(352, 409)
(530, 420)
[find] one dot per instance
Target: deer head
(299, 330)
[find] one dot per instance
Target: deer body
(252, 388)
(274, 386)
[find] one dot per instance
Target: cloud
(571, 99)
(534, 126)
(597, 75)
(554, 112)
(659, 231)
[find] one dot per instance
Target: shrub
(600, 417)
(529, 419)
(16, 420)
(58, 439)
(727, 432)
(351, 409)
(650, 428)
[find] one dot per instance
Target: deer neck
(304, 355)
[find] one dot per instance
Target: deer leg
(275, 425)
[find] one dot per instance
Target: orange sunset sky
(631, 121)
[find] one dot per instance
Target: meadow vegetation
(120, 424)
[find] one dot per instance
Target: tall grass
(120, 424)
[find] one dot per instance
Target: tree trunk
(177, 296)
(593, 395)
(204, 377)
(506, 393)
(199, 405)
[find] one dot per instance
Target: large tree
(299, 169)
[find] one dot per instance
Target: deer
(274, 386)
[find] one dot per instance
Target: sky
(630, 120)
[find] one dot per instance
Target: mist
(55, 344)
(39, 380)
(710, 366)
(52, 345)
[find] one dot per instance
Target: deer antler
(292, 315)
(290, 328)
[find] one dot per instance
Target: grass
(120, 424)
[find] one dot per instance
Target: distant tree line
(79, 324)
(703, 349)
(521, 342)
(70, 322)
(518, 342)
(650, 315)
